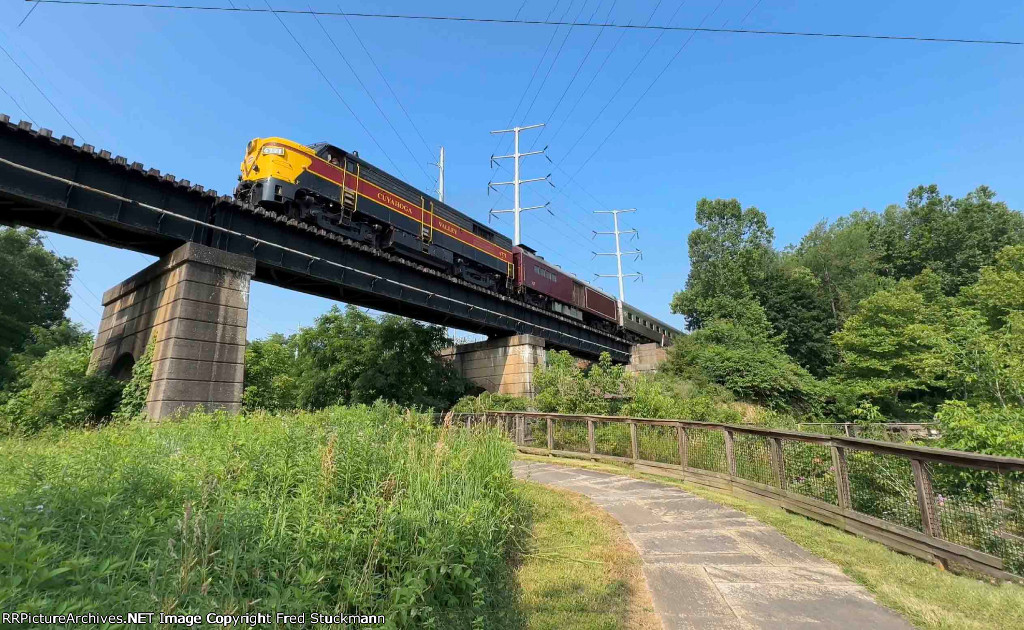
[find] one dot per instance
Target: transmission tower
(618, 253)
(516, 181)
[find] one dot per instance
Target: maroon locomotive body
(548, 286)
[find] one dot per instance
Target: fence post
(684, 447)
(551, 434)
(632, 440)
(730, 455)
(926, 499)
(591, 440)
(842, 477)
(778, 462)
(520, 421)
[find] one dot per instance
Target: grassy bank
(580, 571)
(926, 595)
(364, 509)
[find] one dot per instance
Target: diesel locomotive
(338, 191)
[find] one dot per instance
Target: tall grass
(362, 509)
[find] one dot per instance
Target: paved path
(712, 567)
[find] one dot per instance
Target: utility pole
(440, 176)
(516, 182)
(618, 253)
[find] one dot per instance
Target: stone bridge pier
(193, 305)
(506, 365)
(503, 366)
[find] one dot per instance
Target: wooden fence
(939, 505)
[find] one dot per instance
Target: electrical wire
(372, 99)
(536, 69)
(644, 93)
(42, 93)
(558, 52)
(334, 89)
(575, 74)
(480, 20)
(359, 40)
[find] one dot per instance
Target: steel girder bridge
(58, 185)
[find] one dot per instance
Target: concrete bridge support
(503, 365)
(193, 304)
(645, 358)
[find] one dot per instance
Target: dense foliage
(57, 391)
(33, 292)
(350, 357)
(887, 316)
(365, 509)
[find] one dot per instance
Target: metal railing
(949, 507)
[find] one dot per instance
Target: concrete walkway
(712, 567)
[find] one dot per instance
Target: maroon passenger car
(547, 286)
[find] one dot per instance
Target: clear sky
(804, 129)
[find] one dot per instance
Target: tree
(731, 249)
(404, 366)
(270, 368)
(350, 357)
(844, 258)
(567, 385)
(57, 391)
(799, 313)
(33, 290)
(742, 355)
(953, 237)
(893, 350)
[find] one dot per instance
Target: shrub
(361, 509)
(136, 390)
(57, 391)
(487, 401)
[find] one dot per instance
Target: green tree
(270, 368)
(57, 391)
(731, 249)
(33, 291)
(745, 360)
(844, 257)
(893, 350)
(953, 237)
(567, 385)
(348, 357)
(799, 313)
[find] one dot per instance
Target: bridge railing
(944, 506)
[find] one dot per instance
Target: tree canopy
(33, 291)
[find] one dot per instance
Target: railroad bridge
(193, 301)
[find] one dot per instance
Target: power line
(536, 69)
(43, 94)
(359, 40)
(33, 8)
(756, 4)
(554, 60)
(329, 83)
(622, 84)
(16, 103)
(575, 74)
(644, 93)
(370, 94)
(479, 20)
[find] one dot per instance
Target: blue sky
(804, 129)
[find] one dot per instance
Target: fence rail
(939, 505)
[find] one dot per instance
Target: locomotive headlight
(273, 150)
